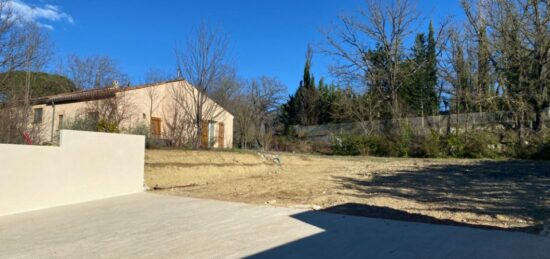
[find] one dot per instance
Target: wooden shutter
(156, 126)
(204, 134)
(221, 133)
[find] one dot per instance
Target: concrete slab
(149, 225)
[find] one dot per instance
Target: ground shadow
(362, 210)
(342, 236)
(498, 189)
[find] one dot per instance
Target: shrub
(140, 129)
(401, 142)
(106, 126)
(543, 152)
(82, 124)
(378, 146)
(354, 145)
(430, 145)
(480, 144)
(291, 144)
(476, 144)
(322, 147)
(538, 147)
(349, 145)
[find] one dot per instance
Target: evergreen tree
(431, 73)
(327, 108)
(420, 89)
(306, 95)
(301, 107)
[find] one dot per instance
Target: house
(166, 109)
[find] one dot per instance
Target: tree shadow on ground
(498, 189)
(341, 236)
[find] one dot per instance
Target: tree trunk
(539, 120)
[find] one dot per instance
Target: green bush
(480, 145)
(538, 147)
(291, 144)
(433, 145)
(354, 145)
(378, 146)
(401, 142)
(430, 146)
(80, 123)
(140, 129)
(543, 152)
(350, 145)
(475, 144)
(106, 126)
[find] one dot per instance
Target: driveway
(149, 225)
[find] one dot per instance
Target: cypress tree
(306, 96)
(431, 73)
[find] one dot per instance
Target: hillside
(42, 84)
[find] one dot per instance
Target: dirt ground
(480, 193)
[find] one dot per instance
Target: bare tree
(244, 115)
(180, 128)
(153, 94)
(153, 76)
(202, 64)
(93, 72)
(368, 49)
(111, 113)
(266, 95)
(387, 24)
(362, 108)
(519, 50)
(23, 46)
(226, 88)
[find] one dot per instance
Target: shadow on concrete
(514, 189)
(496, 189)
(345, 236)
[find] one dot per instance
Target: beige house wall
(139, 103)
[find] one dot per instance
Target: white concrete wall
(86, 166)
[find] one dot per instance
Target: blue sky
(266, 37)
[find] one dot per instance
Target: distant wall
(86, 166)
(419, 125)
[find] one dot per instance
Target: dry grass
(501, 194)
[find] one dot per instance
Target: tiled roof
(89, 95)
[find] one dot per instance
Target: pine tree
(431, 73)
(420, 89)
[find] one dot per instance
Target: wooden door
(221, 134)
(156, 126)
(204, 134)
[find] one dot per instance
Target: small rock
(316, 207)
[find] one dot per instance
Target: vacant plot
(482, 193)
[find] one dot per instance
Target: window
(93, 116)
(208, 134)
(60, 122)
(38, 115)
(211, 133)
